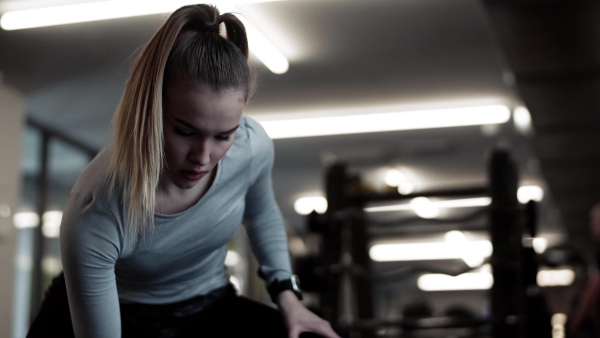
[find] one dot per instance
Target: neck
(171, 199)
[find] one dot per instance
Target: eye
(223, 138)
(183, 133)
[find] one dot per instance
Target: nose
(200, 155)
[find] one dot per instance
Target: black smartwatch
(278, 286)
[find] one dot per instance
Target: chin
(185, 184)
(188, 185)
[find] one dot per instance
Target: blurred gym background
(436, 160)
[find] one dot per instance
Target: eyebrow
(187, 124)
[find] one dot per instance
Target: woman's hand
(299, 319)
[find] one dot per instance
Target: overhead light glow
(465, 203)
(84, 12)
(466, 281)
(522, 119)
(462, 245)
(260, 46)
(558, 322)
(306, 205)
(424, 208)
(393, 177)
(540, 244)
(26, 219)
(264, 50)
(528, 193)
(395, 207)
(406, 188)
(51, 265)
(555, 277)
(51, 223)
(382, 122)
(237, 284)
(459, 203)
(232, 258)
(391, 252)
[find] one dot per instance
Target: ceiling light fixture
(406, 188)
(264, 50)
(424, 208)
(528, 193)
(51, 223)
(26, 219)
(403, 252)
(459, 203)
(393, 177)
(306, 205)
(522, 119)
(462, 244)
(466, 281)
(555, 277)
(382, 122)
(260, 46)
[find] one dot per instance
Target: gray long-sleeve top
(184, 256)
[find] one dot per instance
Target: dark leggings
(223, 314)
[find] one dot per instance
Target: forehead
(198, 103)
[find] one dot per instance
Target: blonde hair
(183, 47)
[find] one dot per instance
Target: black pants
(221, 313)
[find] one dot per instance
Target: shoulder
(90, 200)
(92, 179)
(257, 139)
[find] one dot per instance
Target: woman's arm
(266, 231)
(90, 245)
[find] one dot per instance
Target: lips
(193, 175)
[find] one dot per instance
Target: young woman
(144, 233)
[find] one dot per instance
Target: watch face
(295, 282)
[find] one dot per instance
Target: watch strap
(278, 286)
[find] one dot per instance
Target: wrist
(291, 285)
(287, 300)
(287, 297)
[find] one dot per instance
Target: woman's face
(199, 127)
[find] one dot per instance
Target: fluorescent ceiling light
(232, 258)
(51, 223)
(389, 252)
(237, 283)
(459, 203)
(260, 46)
(558, 319)
(424, 208)
(462, 244)
(555, 277)
(393, 177)
(51, 265)
(264, 50)
(406, 188)
(466, 281)
(381, 122)
(539, 244)
(306, 205)
(528, 193)
(84, 12)
(522, 119)
(26, 219)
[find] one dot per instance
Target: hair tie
(211, 26)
